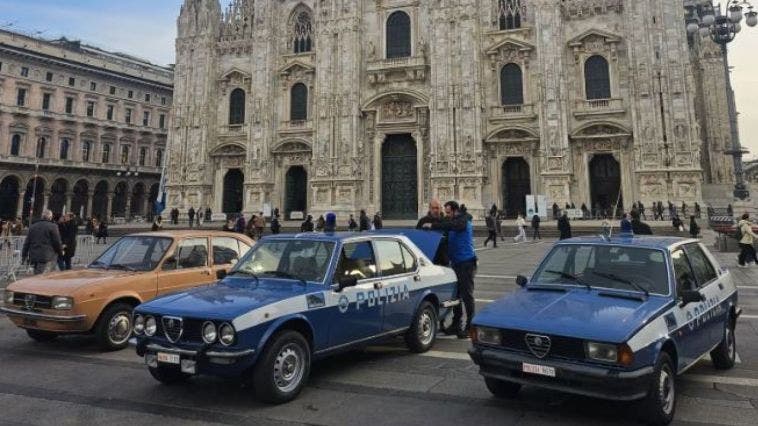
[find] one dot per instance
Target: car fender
(425, 294)
(276, 325)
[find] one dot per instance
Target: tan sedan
(100, 298)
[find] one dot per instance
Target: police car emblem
(343, 304)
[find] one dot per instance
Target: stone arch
(601, 128)
(507, 133)
(416, 97)
(58, 191)
(80, 198)
(120, 196)
(100, 199)
(10, 189)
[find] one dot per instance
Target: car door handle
(721, 286)
(378, 286)
(416, 278)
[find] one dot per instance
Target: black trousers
(491, 236)
(465, 272)
(747, 254)
(536, 234)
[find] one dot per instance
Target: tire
(501, 388)
(659, 405)
(168, 375)
(283, 368)
(114, 327)
(41, 336)
(421, 336)
(725, 354)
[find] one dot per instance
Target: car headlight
(620, 354)
(226, 334)
(151, 326)
(209, 332)
(139, 324)
(489, 336)
(62, 302)
(8, 297)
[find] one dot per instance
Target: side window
(704, 270)
(409, 258)
(243, 248)
(390, 258)
(357, 260)
(685, 278)
(192, 253)
(159, 249)
(225, 250)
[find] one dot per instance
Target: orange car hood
(67, 282)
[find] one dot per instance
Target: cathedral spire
(198, 17)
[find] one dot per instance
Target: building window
(142, 156)
(130, 94)
(16, 145)
(41, 146)
(511, 85)
(128, 116)
(49, 76)
(92, 86)
(109, 112)
(398, 35)
(106, 153)
(90, 108)
(71, 81)
(597, 79)
(64, 149)
(162, 121)
(86, 148)
(24, 71)
(21, 97)
(158, 158)
(509, 14)
(163, 100)
(299, 103)
(124, 154)
(237, 107)
(146, 118)
(302, 39)
(147, 97)
(69, 105)
(112, 90)
(46, 101)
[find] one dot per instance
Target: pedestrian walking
(352, 225)
(240, 225)
(208, 214)
(460, 249)
(191, 215)
(198, 216)
(307, 225)
(746, 240)
(697, 210)
(499, 225)
(158, 224)
(364, 223)
(564, 227)
(276, 227)
(694, 228)
(320, 223)
(677, 224)
(641, 209)
(102, 232)
(378, 224)
(626, 225)
(639, 227)
(521, 233)
(68, 230)
(42, 245)
(489, 220)
(536, 227)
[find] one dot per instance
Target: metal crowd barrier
(11, 263)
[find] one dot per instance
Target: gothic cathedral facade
(340, 105)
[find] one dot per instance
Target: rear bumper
(580, 379)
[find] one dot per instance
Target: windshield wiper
(571, 277)
(122, 266)
(616, 278)
(287, 275)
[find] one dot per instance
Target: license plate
(541, 370)
(168, 358)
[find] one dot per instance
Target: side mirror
(690, 296)
(221, 274)
(521, 281)
(345, 282)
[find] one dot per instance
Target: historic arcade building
(340, 105)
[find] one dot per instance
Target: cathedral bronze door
(516, 185)
(233, 191)
(605, 183)
(399, 178)
(296, 190)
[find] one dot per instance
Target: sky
(147, 29)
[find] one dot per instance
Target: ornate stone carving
(398, 110)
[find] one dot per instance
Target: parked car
(100, 298)
(612, 318)
(294, 299)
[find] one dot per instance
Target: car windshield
(605, 266)
(300, 260)
(135, 253)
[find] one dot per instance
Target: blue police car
(612, 318)
(296, 298)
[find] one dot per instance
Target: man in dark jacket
(68, 228)
(307, 225)
(191, 215)
(378, 224)
(639, 227)
(433, 218)
(564, 227)
(43, 244)
(536, 227)
(460, 249)
(363, 223)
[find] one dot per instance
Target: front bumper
(581, 379)
(194, 361)
(43, 321)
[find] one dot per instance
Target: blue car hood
(226, 300)
(576, 313)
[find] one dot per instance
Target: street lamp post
(707, 20)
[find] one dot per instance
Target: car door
(397, 282)
(187, 267)
(358, 312)
(226, 252)
(711, 314)
(690, 337)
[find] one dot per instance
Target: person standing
(491, 229)
(352, 225)
(556, 210)
(42, 245)
(378, 224)
(320, 223)
(434, 218)
(536, 227)
(364, 223)
(158, 224)
(697, 210)
(694, 228)
(747, 238)
(191, 215)
(240, 225)
(102, 232)
(260, 225)
(520, 224)
(68, 229)
(639, 227)
(460, 249)
(307, 225)
(198, 216)
(564, 227)
(276, 227)
(626, 225)
(642, 210)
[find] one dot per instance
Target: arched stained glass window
(237, 107)
(509, 13)
(302, 36)
(398, 35)
(299, 103)
(597, 79)
(511, 85)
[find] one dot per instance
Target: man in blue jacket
(460, 249)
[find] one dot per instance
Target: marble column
(90, 196)
(20, 205)
(69, 198)
(109, 210)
